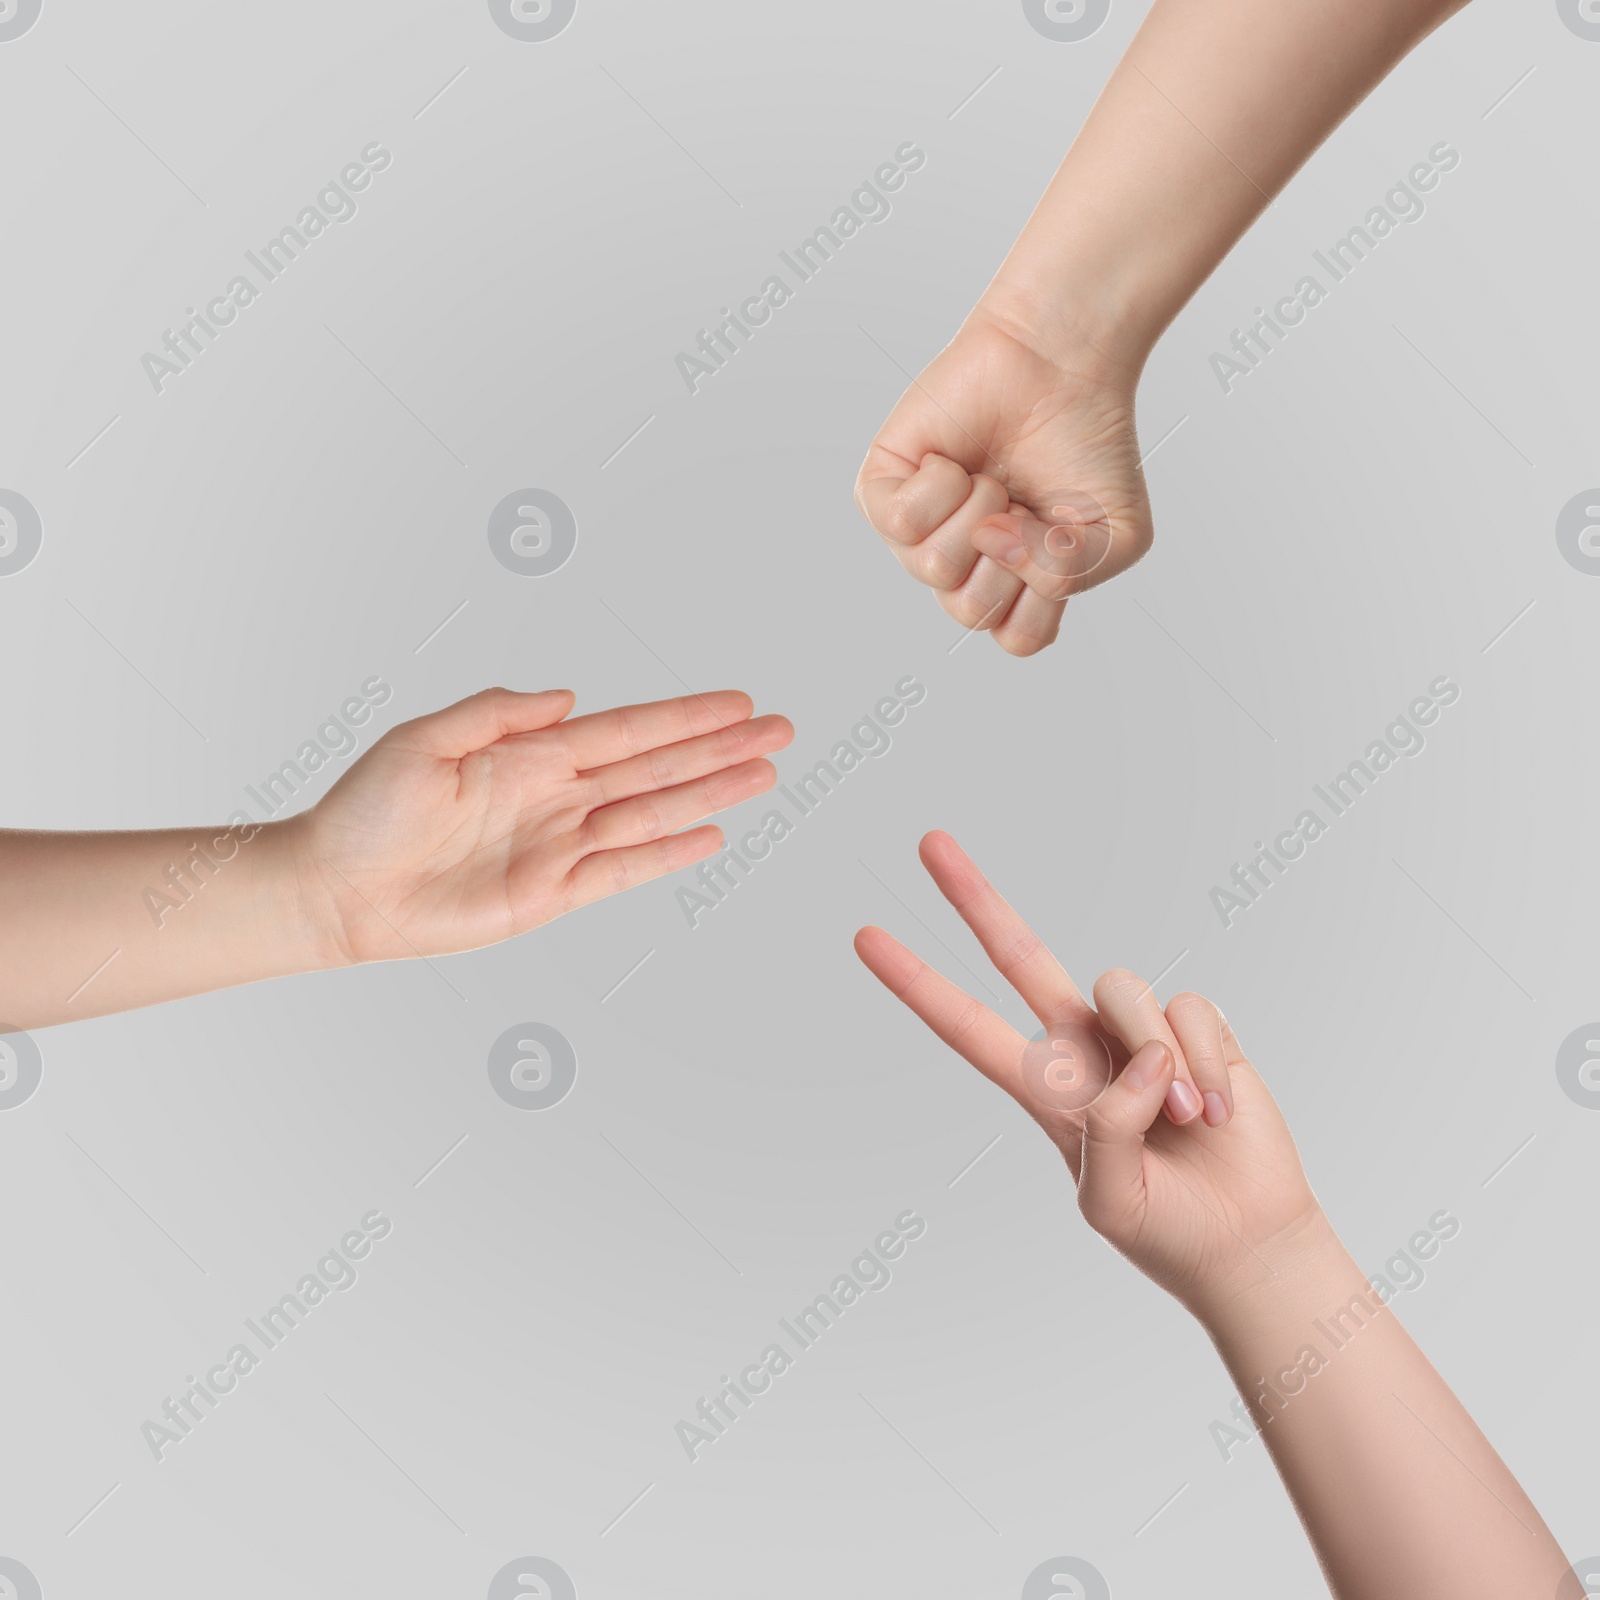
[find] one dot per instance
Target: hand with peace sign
(1183, 1161)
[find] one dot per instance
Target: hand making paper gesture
(455, 830)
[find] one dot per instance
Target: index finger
(905, 501)
(1018, 953)
(968, 1026)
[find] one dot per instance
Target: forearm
(1215, 106)
(100, 922)
(1398, 1490)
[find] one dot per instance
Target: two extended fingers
(672, 764)
(1019, 955)
(664, 811)
(969, 1027)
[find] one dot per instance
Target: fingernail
(1216, 1112)
(1183, 1102)
(1010, 550)
(1149, 1063)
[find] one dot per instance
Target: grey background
(306, 505)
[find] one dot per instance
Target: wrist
(1075, 319)
(1295, 1276)
(298, 903)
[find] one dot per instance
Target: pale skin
(1008, 476)
(1398, 1491)
(455, 830)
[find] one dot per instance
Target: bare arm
(1398, 1491)
(1214, 108)
(457, 829)
(1007, 478)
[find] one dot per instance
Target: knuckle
(966, 1022)
(648, 821)
(988, 495)
(930, 565)
(901, 522)
(970, 611)
(660, 769)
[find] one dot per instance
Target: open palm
(496, 814)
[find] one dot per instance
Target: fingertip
(941, 856)
(698, 843)
(1183, 1105)
(1216, 1110)
(876, 949)
(735, 701)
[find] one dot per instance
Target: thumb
(1059, 544)
(483, 719)
(1111, 1186)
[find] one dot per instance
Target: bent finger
(1030, 625)
(1198, 1027)
(907, 507)
(984, 598)
(946, 557)
(1128, 1006)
